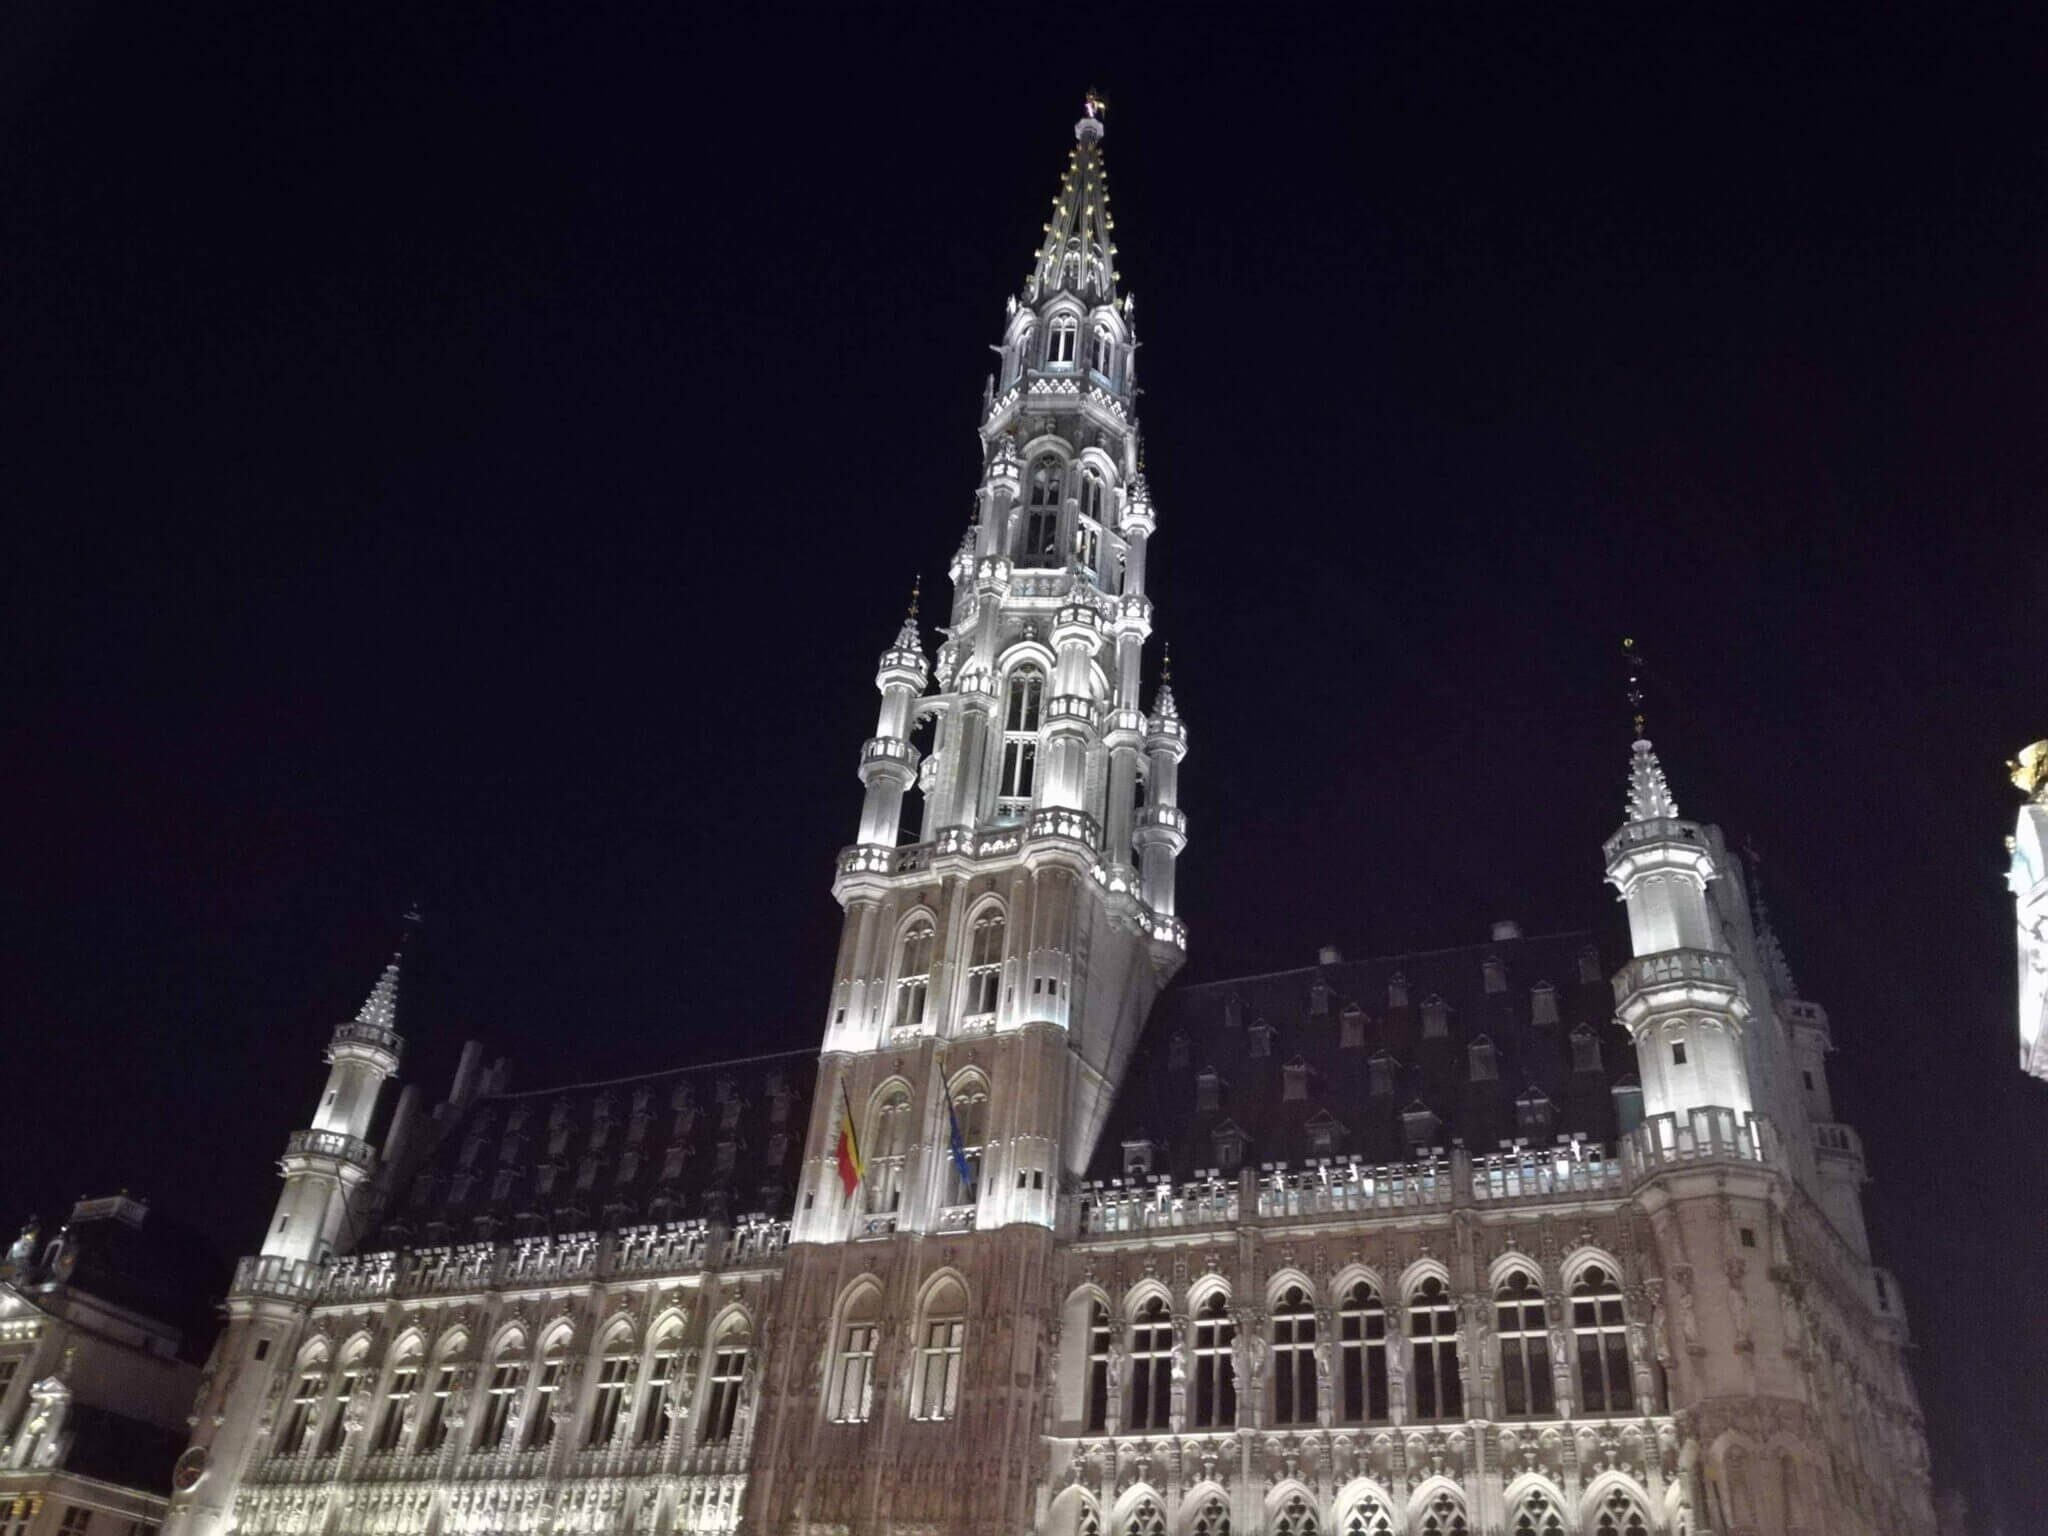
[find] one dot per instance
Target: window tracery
(1294, 1366)
(1522, 1325)
(1601, 1337)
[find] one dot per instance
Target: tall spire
(1077, 255)
(380, 1008)
(1649, 796)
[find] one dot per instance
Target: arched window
(1294, 1363)
(1362, 1339)
(853, 1374)
(1620, 1515)
(984, 967)
(1020, 740)
(728, 1380)
(405, 1380)
(1087, 551)
(1523, 1327)
(1102, 349)
(1368, 1517)
(508, 1376)
(1212, 1519)
(914, 974)
(614, 1375)
(540, 1416)
(1215, 1404)
(433, 1430)
(970, 1113)
(888, 1141)
(1101, 1335)
(658, 1404)
(1297, 1517)
(1151, 1367)
(298, 1425)
(1062, 334)
(1602, 1340)
(938, 1365)
(1433, 1326)
(1444, 1516)
(354, 1366)
(1088, 1523)
(1537, 1515)
(1146, 1519)
(1042, 515)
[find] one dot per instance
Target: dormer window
(1589, 964)
(1495, 974)
(1384, 1068)
(1397, 991)
(1543, 1003)
(1419, 1124)
(1436, 1018)
(1061, 338)
(1323, 1135)
(1585, 1049)
(1259, 1039)
(1532, 1113)
(1294, 1079)
(1208, 1090)
(1233, 1012)
(1318, 997)
(1229, 1142)
(1137, 1156)
(1351, 1030)
(1483, 1064)
(1177, 1051)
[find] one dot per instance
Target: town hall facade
(1512, 1236)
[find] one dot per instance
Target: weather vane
(1094, 105)
(1634, 661)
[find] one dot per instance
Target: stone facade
(2027, 879)
(1496, 1239)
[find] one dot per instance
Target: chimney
(1506, 928)
(1329, 954)
(466, 1069)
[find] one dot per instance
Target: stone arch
(1536, 1506)
(1580, 1259)
(1377, 1511)
(1413, 1277)
(617, 1331)
(1136, 1297)
(1141, 1511)
(1292, 1509)
(1502, 1268)
(943, 1275)
(1611, 1501)
(1352, 1274)
(1438, 1506)
(1020, 652)
(1197, 1510)
(1206, 1285)
(1277, 1286)
(1074, 1513)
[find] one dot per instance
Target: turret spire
(1649, 795)
(1077, 255)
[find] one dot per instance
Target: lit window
(945, 1327)
(305, 1401)
(433, 1432)
(1294, 1363)
(405, 1381)
(605, 1414)
(336, 1429)
(1020, 740)
(1362, 1343)
(728, 1377)
(970, 1109)
(984, 964)
(888, 1141)
(1042, 515)
(1215, 1405)
(1523, 1327)
(506, 1379)
(1151, 1367)
(1096, 1409)
(914, 974)
(1061, 334)
(1102, 349)
(540, 1416)
(1602, 1341)
(853, 1395)
(1437, 1393)
(658, 1400)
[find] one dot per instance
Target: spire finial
(1166, 666)
(1633, 660)
(916, 590)
(1093, 110)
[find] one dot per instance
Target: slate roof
(695, 1142)
(114, 1448)
(1381, 1053)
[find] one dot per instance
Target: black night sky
(476, 453)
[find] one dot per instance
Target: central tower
(1010, 918)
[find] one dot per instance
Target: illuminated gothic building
(1524, 1235)
(2028, 881)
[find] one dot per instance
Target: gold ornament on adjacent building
(2030, 770)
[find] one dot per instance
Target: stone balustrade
(373, 1036)
(1706, 1135)
(276, 1279)
(352, 1150)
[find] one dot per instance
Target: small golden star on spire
(1094, 105)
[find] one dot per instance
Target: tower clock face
(191, 1467)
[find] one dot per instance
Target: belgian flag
(847, 1149)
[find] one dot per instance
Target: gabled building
(1541, 1234)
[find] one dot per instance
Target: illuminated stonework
(2027, 879)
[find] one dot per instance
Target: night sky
(471, 455)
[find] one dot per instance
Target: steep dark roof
(114, 1448)
(118, 1250)
(704, 1141)
(1255, 1031)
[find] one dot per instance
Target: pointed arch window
(854, 1372)
(507, 1377)
(1297, 1517)
(1151, 1367)
(1212, 1519)
(1522, 1325)
(1102, 350)
(1042, 515)
(1368, 1517)
(335, 1430)
(433, 1430)
(614, 1375)
(1020, 741)
(970, 1110)
(938, 1366)
(405, 1380)
(1294, 1363)
(1537, 1515)
(1062, 337)
(664, 1383)
(1362, 1341)
(888, 1142)
(1101, 1335)
(1620, 1515)
(984, 966)
(728, 1379)
(540, 1417)
(914, 974)
(1437, 1391)
(1215, 1405)
(1148, 1519)
(305, 1405)
(1601, 1337)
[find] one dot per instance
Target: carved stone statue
(1738, 1304)
(1688, 1317)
